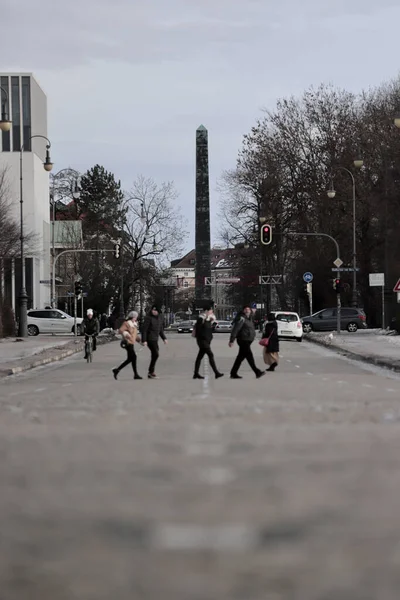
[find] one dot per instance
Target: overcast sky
(128, 82)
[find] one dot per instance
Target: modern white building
(27, 107)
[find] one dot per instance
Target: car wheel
(299, 339)
(33, 330)
(307, 327)
(352, 327)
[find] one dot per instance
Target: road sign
(377, 279)
(46, 281)
(235, 312)
(70, 294)
(344, 270)
(397, 287)
(308, 277)
(338, 262)
(254, 305)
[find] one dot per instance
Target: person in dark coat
(244, 333)
(271, 352)
(90, 327)
(153, 328)
(203, 332)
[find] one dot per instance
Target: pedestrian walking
(244, 333)
(129, 331)
(270, 341)
(153, 328)
(203, 332)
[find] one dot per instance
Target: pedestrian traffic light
(266, 234)
(116, 250)
(78, 288)
(338, 286)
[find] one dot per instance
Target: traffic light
(338, 286)
(78, 288)
(116, 250)
(266, 234)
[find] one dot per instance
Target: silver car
(223, 327)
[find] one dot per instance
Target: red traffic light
(266, 234)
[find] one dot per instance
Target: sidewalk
(373, 346)
(19, 355)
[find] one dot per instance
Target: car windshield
(287, 318)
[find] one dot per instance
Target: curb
(371, 359)
(34, 362)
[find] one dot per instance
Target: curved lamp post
(358, 163)
(5, 123)
(75, 195)
(23, 297)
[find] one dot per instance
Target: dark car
(326, 320)
(186, 326)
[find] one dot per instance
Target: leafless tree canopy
(154, 227)
(284, 169)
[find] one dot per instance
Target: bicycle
(89, 347)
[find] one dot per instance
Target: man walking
(244, 333)
(153, 328)
(203, 332)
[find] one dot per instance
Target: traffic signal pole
(338, 299)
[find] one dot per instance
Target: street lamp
(142, 214)
(5, 123)
(75, 195)
(397, 120)
(23, 297)
(358, 163)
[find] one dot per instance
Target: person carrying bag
(270, 343)
(129, 332)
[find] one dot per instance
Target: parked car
(223, 327)
(52, 321)
(186, 326)
(351, 319)
(289, 325)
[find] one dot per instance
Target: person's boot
(236, 376)
(218, 375)
(115, 372)
(273, 367)
(260, 374)
(137, 376)
(198, 376)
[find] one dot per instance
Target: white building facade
(27, 107)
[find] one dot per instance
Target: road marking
(341, 382)
(324, 379)
(230, 538)
(66, 384)
(308, 373)
(367, 385)
(40, 390)
(288, 360)
(297, 366)
(216, 475)
(390, 390)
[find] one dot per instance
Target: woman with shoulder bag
(129, 332)
(270, 343)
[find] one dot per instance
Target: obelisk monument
(203, 236)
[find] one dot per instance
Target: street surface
(285, 488)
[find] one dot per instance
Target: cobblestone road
(286, 488)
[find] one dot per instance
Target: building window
(185, 284)
(26, 112)
(16, 114)
(6, 143)
(191, 261)
(186, 274)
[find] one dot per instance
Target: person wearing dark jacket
(244, 333)
(271, 352)
(153, 328)
(90, 327)
(203, 332)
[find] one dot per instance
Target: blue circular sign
(254, 305)
(308, 277)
